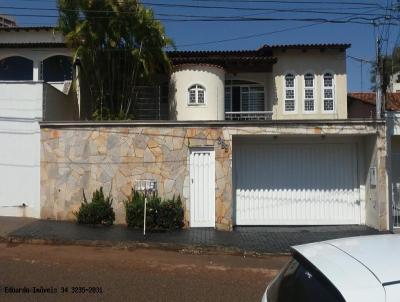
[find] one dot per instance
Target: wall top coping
(295, 123)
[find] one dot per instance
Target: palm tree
(117, 44)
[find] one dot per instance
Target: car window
(301, 282)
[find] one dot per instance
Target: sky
(236, 35)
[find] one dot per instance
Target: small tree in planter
(98, 211)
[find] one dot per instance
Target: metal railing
(248, 115)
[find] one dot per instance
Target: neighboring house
(362, 105)
(35, 85)
(6, 21)
(394, 85)
(254, 137)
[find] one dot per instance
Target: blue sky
(192, 35)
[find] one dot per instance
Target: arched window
(290, 97)
(16, 69)
(309, 97)
(328, 92)
(196, 95)
(57, 69)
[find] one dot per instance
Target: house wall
(19, 167)
(316, 62)
(77, 157)
(22, 105)
(212, 78)
(20, 111)
(358, 109)
(58, 106)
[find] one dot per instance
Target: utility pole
(378, 77)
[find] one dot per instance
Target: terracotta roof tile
(392, 103)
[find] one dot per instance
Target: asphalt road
(73, 273)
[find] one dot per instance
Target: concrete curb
(131, 245)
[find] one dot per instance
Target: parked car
(357, 269)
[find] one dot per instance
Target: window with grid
(328, 92)
(196, 95)
(252, 98)
(289, 93)
(309, 103)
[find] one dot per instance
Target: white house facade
(253, 137)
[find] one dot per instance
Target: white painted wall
(19, 167)
(22, 105)
(21, 99)
(20, 112)
(212, 78)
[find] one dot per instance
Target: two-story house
(249, 137)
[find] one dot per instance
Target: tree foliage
(118, 45)
(390, 64)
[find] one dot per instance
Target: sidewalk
(251, 240)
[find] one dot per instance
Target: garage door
(295, 183)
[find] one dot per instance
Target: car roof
(379, 253)
(359, 267)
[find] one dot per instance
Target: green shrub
(170, 214)
(98, 211)
(160, 214)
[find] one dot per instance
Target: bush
(98, 211)
(160, 214)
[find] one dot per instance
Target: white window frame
(333, 91)
(249, 86)
(309, 88)
(197, 87)
(294, 93)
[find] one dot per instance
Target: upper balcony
(245, 100)
(37, 91)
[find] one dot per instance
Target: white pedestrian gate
(296, 183)
(202, 188)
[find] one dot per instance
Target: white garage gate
(296, 182)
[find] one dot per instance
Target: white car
(357, 269)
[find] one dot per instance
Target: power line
(272, 10)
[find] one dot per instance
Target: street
(75, 273)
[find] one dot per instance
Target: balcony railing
(248, 116)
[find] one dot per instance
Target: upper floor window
(56, 69)
(309, 98)
(290, 100)
(16, 68)
(328, 92)
(197, 95)
(242, 95)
